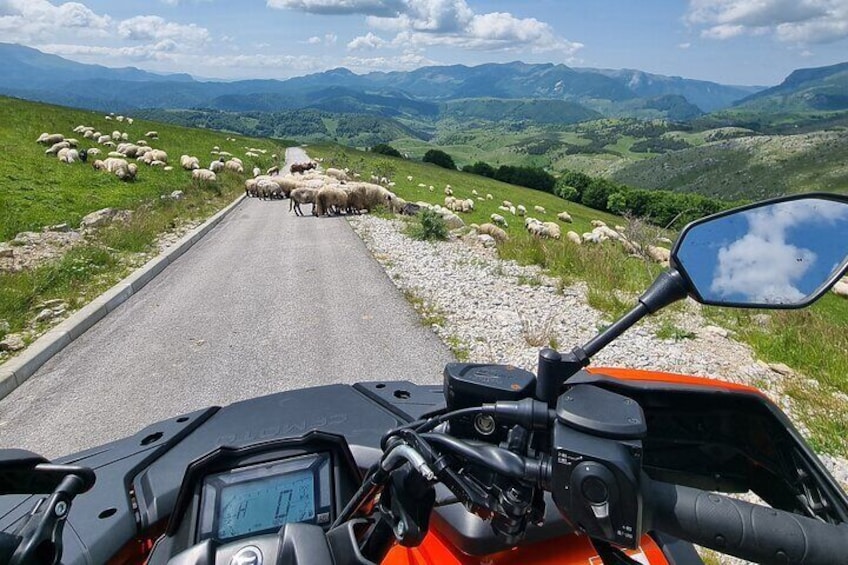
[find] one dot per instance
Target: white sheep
(152, 134)
(598, 223)
(251, 154)
(409, 178)
(489, 196)
(94, 151)
(474, 192)
(119, 118)
(130, 121)
(234, 166)
(103, 139)
(521, 210)
(54, 149)
(116, 135)
(68, 155)
(256, 172)
(491, 229)
(565, 217)
(119, 167)
(539, 209)
(203, 175)
(574, 237)
(337, 174)
(498, 219)
(189, 163)
(108, 118)
(448, 191)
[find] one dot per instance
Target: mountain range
(421, 93)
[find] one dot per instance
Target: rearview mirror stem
(555, 368)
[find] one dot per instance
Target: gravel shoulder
(489, 309)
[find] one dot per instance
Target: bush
(428, 226)
(617, 203)
(566, 192)
(439, 158)
(386, 149)
(530, 177)
(480, 168)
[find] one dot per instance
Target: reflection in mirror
(775, 254)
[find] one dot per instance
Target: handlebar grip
(749, 531)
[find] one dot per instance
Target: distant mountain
(537, 111)
(707, 96)
(805, 90)
(413, 95)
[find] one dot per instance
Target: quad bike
(497, 466)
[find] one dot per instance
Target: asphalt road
(265, 302)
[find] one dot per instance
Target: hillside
(750, 167)
(37, 190)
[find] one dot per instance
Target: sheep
(71, 141)
(539, 209)
(498, 219)
(489, 196)
(237, 160)
(116, 135)
(266, 188)
(448, 191)
(431, 188)
(503, 208)
(658, 254)
(70, 155)
(598, 223)
(119, 167)
(491, 229)
(131, 150)
(130, 121)
(337, 174)
(151, 134)
(302, 195)
(216, 166)
(189, 163)
(573, 237)
(103, 139)
(116, 154)
(275, 170)
(168, 168)
(552, 230)
(396, 203)
(303, 167)
(507, 203)
(79, 129)
(234, 166)
(151, 155)
(256, 172)
(328, 199)
(203, 175)
(565, 217)
(88, 134)
(108, 118)
(119, 118)
(158, 164)
(251, 154)
(110, 144)
(141, 143)
(409, 178)
(286, 183)
(54, 149)
(125, 136)
(422, 185)
(94, 151)
(512, 210)
(521, 210)
(474, 192)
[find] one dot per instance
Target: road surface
(267, 301)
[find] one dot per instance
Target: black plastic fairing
(728, 441)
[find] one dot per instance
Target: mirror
(781, 254)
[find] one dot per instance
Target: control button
(248, 555)
(594, 490)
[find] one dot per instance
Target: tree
(440, 158)
(617, 203)
(386, 149)
(480, 168)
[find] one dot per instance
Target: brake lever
(41, 532)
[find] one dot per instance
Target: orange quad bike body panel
(571, 549)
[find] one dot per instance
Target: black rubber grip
(749, 531)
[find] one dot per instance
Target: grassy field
(813, 341)
(37, 191)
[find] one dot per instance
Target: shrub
(386, 149)
(429, 226)
(440, 158)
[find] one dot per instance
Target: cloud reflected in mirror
(776, 254)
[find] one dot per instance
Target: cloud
(797, 21)
(27, 21)
(328, 39)
(686, 45)
(365, 7)
(165, 50)
(422, 23)
(153, 28)
(368, 41)
(769, 264)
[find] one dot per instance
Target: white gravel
(486, 306)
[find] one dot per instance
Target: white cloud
(368, 41)
(686, 45)
(366, 7)
(419, 23)
(766, 265)
(27, 21)
(328, 39)
(799, 21)
(152, 28)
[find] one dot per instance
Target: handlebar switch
(595, 484)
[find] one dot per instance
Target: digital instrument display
(261, 498)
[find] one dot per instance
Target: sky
(745, 42)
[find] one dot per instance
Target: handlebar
(748, 531)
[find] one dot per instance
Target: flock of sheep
(117, 152)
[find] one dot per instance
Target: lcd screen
(260, 505)
(260, 498)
